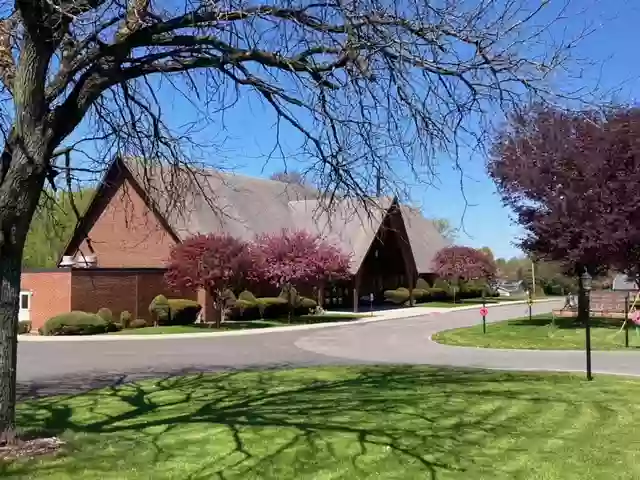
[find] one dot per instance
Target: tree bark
(21, 181)
(9, 297)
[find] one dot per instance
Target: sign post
(484, 312)
(530, 302)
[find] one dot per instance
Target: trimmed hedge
(183, 311)
(422, 284)
(106, 314)
(125, 318)
(160, 310)
(75, 323)
(398, 296)
(138, 323)
(24, 327)
(438, 295)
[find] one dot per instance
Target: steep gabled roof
(192, 201)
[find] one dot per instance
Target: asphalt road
(65, 367)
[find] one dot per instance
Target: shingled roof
(211, 201)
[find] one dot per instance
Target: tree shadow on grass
(403, 422)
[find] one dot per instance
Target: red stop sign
(484, 311)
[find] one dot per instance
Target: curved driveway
(63, 366)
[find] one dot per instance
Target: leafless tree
(361, 81)
(292, 176)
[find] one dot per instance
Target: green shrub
(398, 296)
(106, 314)
(420, 295)
(183, 311)
(138, 323)
(75, 323)
(125, 318)
(247, 296)
(441, 284)
(160, 310)
(438, 295)
(24, 327)
(229, 298)
(307, 303)
(422, 284)
(271, 307)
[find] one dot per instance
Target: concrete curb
(377, 316)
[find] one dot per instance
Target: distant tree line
(52, 227)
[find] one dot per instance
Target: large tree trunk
(9, 296)
(21, 181)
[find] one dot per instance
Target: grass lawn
(468, 301)
(242, 325)
(540, 333)
(343, 423)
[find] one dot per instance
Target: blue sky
(612, 60)
(248, 132)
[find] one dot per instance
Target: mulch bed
(20, 448)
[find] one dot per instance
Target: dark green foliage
(52, 226)
(441, 284)
(307, 303)
(438, 294)
(24, 327)
(248, 297)
(160, 310)
(183, 311)
(106, 314)
(138, 323)
(272, 307)
(125, 318)
(422, 284)
(398, 296)
(75, 323)
(420, 295)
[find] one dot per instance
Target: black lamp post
(585, 285)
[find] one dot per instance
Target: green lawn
(343, 423)
(240, 325)
(468, 301)
(541, 333)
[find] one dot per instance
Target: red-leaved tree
(572, 178)
(296, 259)
(459, 263)
(213, 262)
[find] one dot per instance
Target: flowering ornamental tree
(213, 262)
(296, 258)
(463, 263)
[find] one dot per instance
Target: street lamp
(585, 286)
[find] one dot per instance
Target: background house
(117, 254)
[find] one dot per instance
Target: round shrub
(138, 323)
(422, 284)
(106, 314)
(398, 296)
(160, 310)
(75, 323)
(247, 296)
(125, 318)
(438, 295)
(420, 295)
(183, 311)
(24, 327)
(272, 307)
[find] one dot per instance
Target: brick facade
(125, 232)
(50, 294)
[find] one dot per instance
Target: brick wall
(119, 290)
(51, 294)
(127, 233)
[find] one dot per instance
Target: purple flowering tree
(293, 259)
(457, 263)
(213, 262)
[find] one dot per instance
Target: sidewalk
(375, 316)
